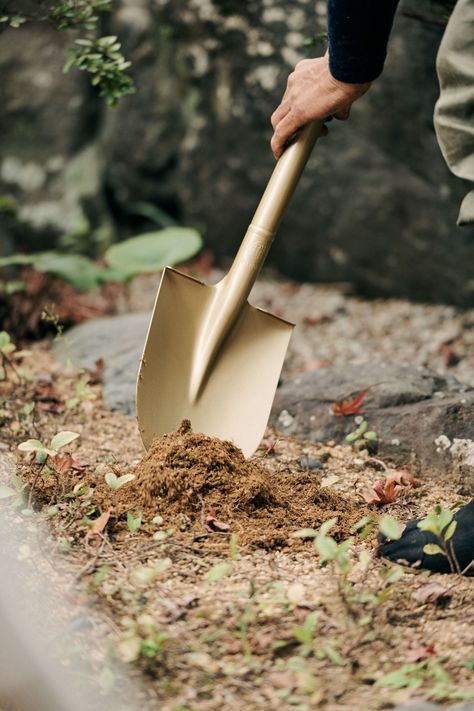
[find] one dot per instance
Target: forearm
(358, 33)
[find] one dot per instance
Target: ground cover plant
(223, 583)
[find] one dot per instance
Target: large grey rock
(119, 341)
(375, 207)
(416, 413)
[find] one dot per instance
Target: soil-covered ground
(189, 554)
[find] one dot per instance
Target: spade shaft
(231, 293)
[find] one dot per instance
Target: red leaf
(386, 493)
(343, 408)
(99, 524)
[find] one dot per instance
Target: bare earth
(210, 601)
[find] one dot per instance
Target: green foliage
(429, 672)
(154, 250)
(390, 527)
(440, 523)
(361, 437)
(102, 59)
(116, 482)
(14, 21)
(138, 255)
(98, 56)
(43, 451)
(79, 14)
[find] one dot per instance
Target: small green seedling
(42, 451)
(440, 523)
(116, 482)
(8, 355)
(362, 437)
(83, 393)
(133, 522)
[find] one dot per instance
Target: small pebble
(309, 463)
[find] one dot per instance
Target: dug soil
(203, 485)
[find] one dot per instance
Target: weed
(441, 524)
(362, 437)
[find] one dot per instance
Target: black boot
(408, 550)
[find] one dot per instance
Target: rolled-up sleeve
(358, 33)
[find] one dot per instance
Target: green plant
(8, 355)
(440, 523)
(116, 482)
(83, 393)
(101, 57)
(143, 254)
(362, 437)
(429, 672)
(133, 522)
(141, 638)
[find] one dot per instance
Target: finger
(283, 131)
(279, 113)
(343, 114)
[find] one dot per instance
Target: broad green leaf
(31, 445)
(6, 491)
(153, 251)
(390, 527)
(450, 530)
(63, 438)
(371, 436)
(79, 271)
(433, 549)
(17, 259)
(218, 571)
(115, 482)
(4, 340)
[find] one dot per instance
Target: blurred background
(376, 206)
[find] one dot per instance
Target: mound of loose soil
(186, 475)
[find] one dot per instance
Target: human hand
(311, 93)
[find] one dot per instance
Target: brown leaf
(99, 524)
(62, 463)
(429, 592)
(96, 374)
(382, 494)
(343, 408)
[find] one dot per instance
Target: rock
(50, 170)
(376, 206)
(119, 341)
(414, 412)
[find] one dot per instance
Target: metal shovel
(209, 355)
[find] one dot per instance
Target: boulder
(376, 206)
(416, 414)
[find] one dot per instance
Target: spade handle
(280, 188)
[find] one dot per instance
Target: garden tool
(209, 355)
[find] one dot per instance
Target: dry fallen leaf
(343, 408)
(99, 524)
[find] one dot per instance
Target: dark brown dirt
(186, 475)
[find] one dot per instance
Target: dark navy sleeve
(358, 32)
